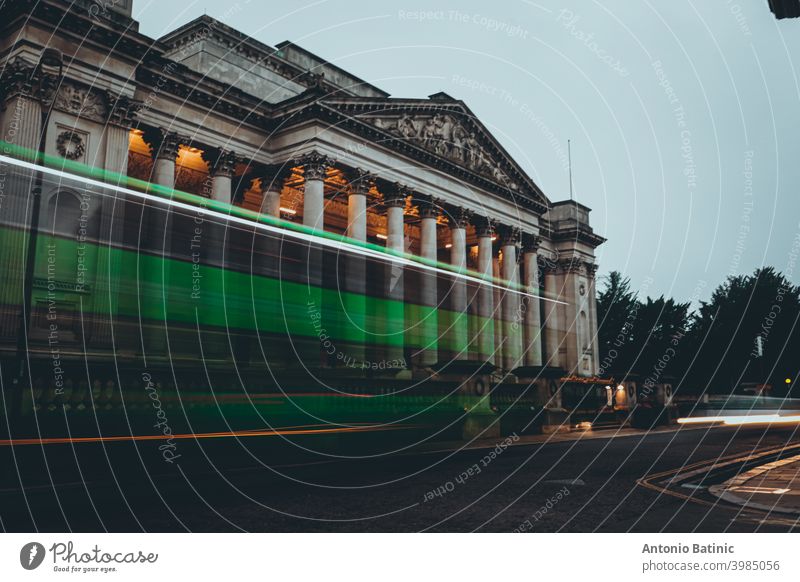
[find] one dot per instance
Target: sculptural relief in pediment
(447, 137)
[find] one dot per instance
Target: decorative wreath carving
(70, 145)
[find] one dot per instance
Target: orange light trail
(206, 435)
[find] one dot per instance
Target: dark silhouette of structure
(785, 8)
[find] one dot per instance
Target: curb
(721, 490)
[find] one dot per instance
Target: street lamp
(48, 75)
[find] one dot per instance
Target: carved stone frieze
(83, 102)
(446, 136)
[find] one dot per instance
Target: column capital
(396, 196)
(315, 165)
(484, 226)
(429, 207)
(273, 176)
(123, 111)
(164, 144)
(530, 242)
(221, 162)
(509, 235)
(361, 181)
(570, 265)
(457, 216)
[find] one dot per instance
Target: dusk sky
(683, 115)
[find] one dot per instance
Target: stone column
(315, 166)
(222, 165)
(511, 314)
(354, 321)
(459, 320)
(532, 347)
(267, 245)
(394, 337)
(552, 320)
(271, 188)
(165, 146)
(484, 229)
(427, 323)
(157, 238)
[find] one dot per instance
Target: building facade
(279, 131)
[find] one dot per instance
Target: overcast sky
(683, 115)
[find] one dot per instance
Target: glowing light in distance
(288, 210)
(382, 236)
(741, 420)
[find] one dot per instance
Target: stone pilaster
(21, 125)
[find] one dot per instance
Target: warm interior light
(288, 210)
(448, 246)
(620, 388)
(382, 236)
(494, 237)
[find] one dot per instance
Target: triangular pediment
(449, 131)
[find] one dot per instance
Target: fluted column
(394, 335)
(485, 231)
(21, 126)
(512, 341)
(533, 338)
(427, 324)
(552, 319)
(459, 320)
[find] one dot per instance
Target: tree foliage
(713, 348)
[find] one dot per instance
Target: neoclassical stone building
(278, 130)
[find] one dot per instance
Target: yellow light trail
(288, 431)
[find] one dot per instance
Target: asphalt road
(582, 484)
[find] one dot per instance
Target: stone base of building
(555, 420)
